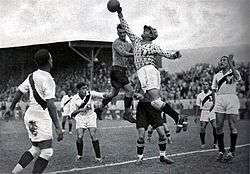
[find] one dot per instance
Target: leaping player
(146, 55)
(122, 51)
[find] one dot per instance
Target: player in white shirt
(65, 109)
(40, 115)
(226, 104)
(204, 104)
(82, 107)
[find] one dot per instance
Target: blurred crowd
(183, 85)
(188, 84)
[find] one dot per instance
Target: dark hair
(41, 57)
(80, 85)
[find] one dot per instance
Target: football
(113, 5)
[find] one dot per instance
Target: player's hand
(230, 59)
(8, 114)
(59, 133)
(119, 11)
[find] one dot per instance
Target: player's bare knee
(79, 139)
(158, 103)
(93, 136)
(34, 151)
(46, 153)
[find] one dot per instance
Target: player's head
(205, 86)
(149, 33)
(223, 62)
(82, 88)
(121, 32)
(43, 58)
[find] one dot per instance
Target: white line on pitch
(117, 127)
(133, 161)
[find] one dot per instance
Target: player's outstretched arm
(53, 114)
(125, 26)
(10, 111)
(167, 54)
(98, 94)
(236, 74)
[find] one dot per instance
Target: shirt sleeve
(49, 89)
(130, 34)
(164, 53)
(214, 83)
(198, 101)
(24, 87)
(96, 94)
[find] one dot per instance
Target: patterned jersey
(225, 83)
(145, 53)
(204, 100)
(119, 50)
(44, 84)
(87, 103)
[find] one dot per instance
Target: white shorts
(207, 116)
(149, 78)
(86, 121)
(227, 103)
(38, 124)
(66, 112)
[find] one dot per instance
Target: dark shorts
(147, 115)
(118, 77)
(43, 144)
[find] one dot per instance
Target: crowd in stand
(183, 85)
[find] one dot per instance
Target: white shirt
(76, 102)
(225, 83)
(44, 84)
(204, 100)
(65, 104)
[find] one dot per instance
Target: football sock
(25, 159)
(202, 137)
(79, 146)
(140, 147)
(128, 102)
(97, 148)
(162, 146)
(215, 135)
(220, 138)
(172, 113)
(70, 127)
(40, 165)
(63, 124)
(233, 137)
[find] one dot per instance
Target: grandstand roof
(91, 44)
